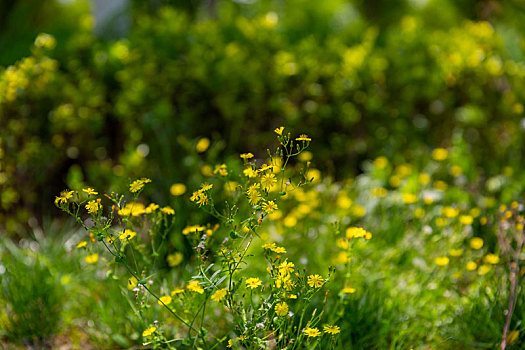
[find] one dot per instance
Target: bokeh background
(97, 93)
(127, 97)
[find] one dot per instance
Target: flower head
(165, 300)
(331, 329)
(194, 287)
(219, 295)
(90, 191)
(253, 282)
(281, 309)
(269, 207)
(246, 155)
(312, 332)
(279, 130)
(315, 281)
(64, 196)
(303, 137)
(127, 234)
(92, 258)
(93, 206)
(149, 332)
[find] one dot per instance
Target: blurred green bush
(84, 110)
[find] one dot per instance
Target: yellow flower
(221, 169)
(439, 154)
(484, 269)
(177, 291)
(81, 244)
(312, 332)
(409, 198)
(137, 185)
(450, 212)
(380, 162)
(254, 197)
(512, 336)
(279, 250)
(230, 343)
(270, 246)
(89, 190)
(315, 281)
(281, 309)
(267, 180)
(133, 209)
(331, 329)
(378, 192)
(127, 234)
(202, 145)
(348, 290)
(456, 252)
(194, 287)
(64, 196)
(492, 259)
(476, 243)
(279, 130)
(175, 259)
(151, 208)
(168, 210)
(423, 179)
(357, 232)
(286, 267)
(253, 282)
(177, 189)
(91, 259)
(132, 282)
(192, 229)
(466, 219)
(219, 295)
(249, 172)
(269, 207)
(149, 332)
(246, 155)
(93, 206)
(442, 261)
(471, 266)
(303, 137)
(164, 300)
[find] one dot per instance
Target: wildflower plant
(271, 309)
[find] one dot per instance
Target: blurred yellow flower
(476, 243)
(492, 259)
(195, 287)
(471, 266)
(333, 330)
(439, 154)
(92, 258)
(178, 189)
(219, 295)
(246, 155)
(442, 261)
(174, 259)
(202, 145)
(164, 300)
(81, 244)
(149, 332)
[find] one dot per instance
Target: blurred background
(97, 93)
(123, 89)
